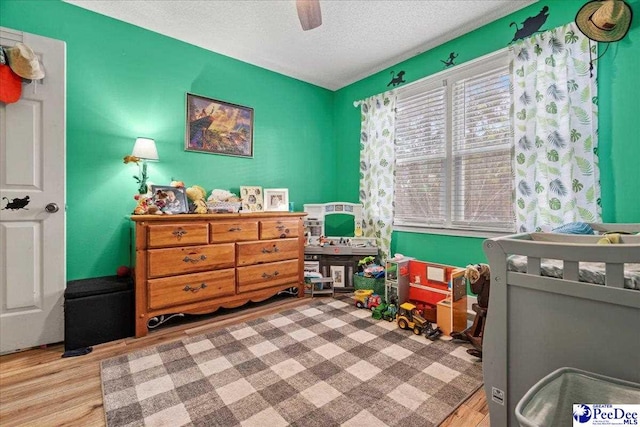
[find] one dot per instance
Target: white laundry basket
(550, 401)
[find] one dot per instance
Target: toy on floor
(390, 313)
(378, 311)
(365, 298)
(427, 310)
(361, 296)
(123, 271)
(409, 318)
(480, 278)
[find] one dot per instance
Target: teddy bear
(223, 201)
(218, 195)
(143, 204)
(197, 195)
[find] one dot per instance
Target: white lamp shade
(145, 148)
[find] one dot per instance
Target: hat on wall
(24, 62)
(10, 85)
(604, 20)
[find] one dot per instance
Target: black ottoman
(98, 310)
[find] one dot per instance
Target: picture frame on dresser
(337, 273)
(171, 200)
(276, 199)
(218, 127)
(252, 199)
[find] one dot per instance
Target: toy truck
(361, 296)
(378, 311)
(365, 298)
(373, 301)
(390, 313)
(410, 318)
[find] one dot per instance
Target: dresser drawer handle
(194, 289)
(232, 229)
(194, 260)
(270, 251)
(270, 276)
(179, 232)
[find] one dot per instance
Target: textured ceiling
(356, 39)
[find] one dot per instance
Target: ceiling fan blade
(309, 14)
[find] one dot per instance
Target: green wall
(123, 82)
(619, 132)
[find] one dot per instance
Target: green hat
(604, 20)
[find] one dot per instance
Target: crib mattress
(589, 272)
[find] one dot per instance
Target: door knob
(52, 208)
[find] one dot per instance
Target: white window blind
(453, 149)
(420, 158)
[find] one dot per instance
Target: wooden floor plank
(485, 421)
(39, 388)
(478, 403)
(464, 416)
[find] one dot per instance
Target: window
(453, 149)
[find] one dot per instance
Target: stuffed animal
(197, 195)
(176, 183)
(143, 205)
(218, 195)
(221, 201)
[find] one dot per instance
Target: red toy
(365, 298)
(123, 271)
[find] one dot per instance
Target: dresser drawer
(173, 291)
(266, 275)
(171, 261)
(160, 236)
(233, 231)
(278, 229)
(265, 251)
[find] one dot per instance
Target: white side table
(322, 286)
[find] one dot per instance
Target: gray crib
(537, 324)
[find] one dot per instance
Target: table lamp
(143, 150)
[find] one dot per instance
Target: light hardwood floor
(39, 388)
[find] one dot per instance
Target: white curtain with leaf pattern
(555, 130)
(376, 168)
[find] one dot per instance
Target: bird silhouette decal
(531, 25)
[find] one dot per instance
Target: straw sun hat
(604, 20)
(24, 62)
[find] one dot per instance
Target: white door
(32, 165)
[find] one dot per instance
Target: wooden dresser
(195, 264)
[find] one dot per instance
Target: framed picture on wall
(170, 199)
(337, 272)
(276, 199)
(218, 127)
(252, 199)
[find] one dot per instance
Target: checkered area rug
(322, 364)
